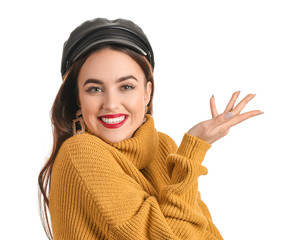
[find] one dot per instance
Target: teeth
(113, 120)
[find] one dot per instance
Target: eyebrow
(92, 80)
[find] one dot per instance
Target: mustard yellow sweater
(142, 188)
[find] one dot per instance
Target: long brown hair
(63, 112)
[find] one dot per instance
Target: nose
(111, 101)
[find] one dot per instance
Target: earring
(78, 125)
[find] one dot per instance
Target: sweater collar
(141, 148)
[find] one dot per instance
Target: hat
(91, 34)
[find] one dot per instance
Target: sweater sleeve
(92, 197)
(193, 198)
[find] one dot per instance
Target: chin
(115, 135)
(114, 138)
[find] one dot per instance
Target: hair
(63, 112)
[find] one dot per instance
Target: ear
(78, 103)
(148, 92)
(77, 99)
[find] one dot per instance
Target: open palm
(217, 127)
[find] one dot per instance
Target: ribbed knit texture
(141, 188)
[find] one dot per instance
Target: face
(112, 95)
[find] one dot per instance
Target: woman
(111, 175)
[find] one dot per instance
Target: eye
(127, 87)
(94, 90)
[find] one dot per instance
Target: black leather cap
(90, 34)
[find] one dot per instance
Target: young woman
(111, 174)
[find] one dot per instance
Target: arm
(194, 197)
(93, 192)
(217, 127)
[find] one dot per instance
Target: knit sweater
(144, 187)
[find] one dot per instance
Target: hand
(217, 127)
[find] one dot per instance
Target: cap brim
(119, 41)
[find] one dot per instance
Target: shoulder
(166, 142)
(84, 142)
(82, 149)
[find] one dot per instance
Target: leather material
(93, 33)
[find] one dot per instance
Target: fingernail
(260, 113)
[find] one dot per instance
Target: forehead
(108, 64)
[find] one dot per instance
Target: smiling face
(112, 95)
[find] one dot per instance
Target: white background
(201, 48)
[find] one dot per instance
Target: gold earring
(78, 125)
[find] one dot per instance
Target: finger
(213, 107)
(230, 105)
(242, 104)
(242, 117)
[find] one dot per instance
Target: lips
(113, 120)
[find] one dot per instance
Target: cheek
(136, 103)
(88, 105)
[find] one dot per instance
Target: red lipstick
(113, 125)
